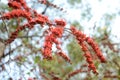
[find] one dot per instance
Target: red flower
(81, 40)
(14, 5)
(96, 49)
(52, 38)
(60, 22)
(64, 56)
(92, 66)
(17, 13)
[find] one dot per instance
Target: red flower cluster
(81, 40)
(20, 9)
(96, 49)
(88, 57)
(16, 13)
(17, 4)
(60, 22)
(52, 38)
(48, 46)
(39, 19)
(14, 5)
(64, 56)
(14, 34)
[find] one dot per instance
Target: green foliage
(56, 66)
(72, 2)
(119, 73)
(75, 52)
(77, 25)
(37, 59)
(3, 6)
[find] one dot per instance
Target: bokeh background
(98, 19)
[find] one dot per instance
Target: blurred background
(98, 19)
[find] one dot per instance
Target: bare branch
(4, 55)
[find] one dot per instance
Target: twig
(29, 36)
(45, 9)
(6, 62)
(4, 55)
(116, 63)
(44, 76)
(1, 40)
(75, 73)
(5, 26)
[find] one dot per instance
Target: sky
(98, 10)
(106, 6)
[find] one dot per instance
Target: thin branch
(4, 55)
(29, 36)
(116, 63)
(5, 25)
(45, 9)
(6, 62)
(47, 6)
(34, 36)
(75, 73)
(44, 76)
(54, 77)
(111, 76)
(1, 40)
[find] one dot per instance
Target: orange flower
(96, 49)
(52, 38)
(81, 41)
(64, 56)
(60, 22)
(14, 5)
(17, 13)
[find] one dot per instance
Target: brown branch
(29, 36)
(54, 77)
(116, 63)
(36, 36)
(112, 76)
(2, 40)
(45, 9)
(44, 76)
(5, 25)
(2, 48)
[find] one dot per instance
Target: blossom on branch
(52, 38)
(16, 13)
(82, 39)
(52, 34)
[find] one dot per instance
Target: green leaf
(23, 59)
(37, 59)
(119, 73)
